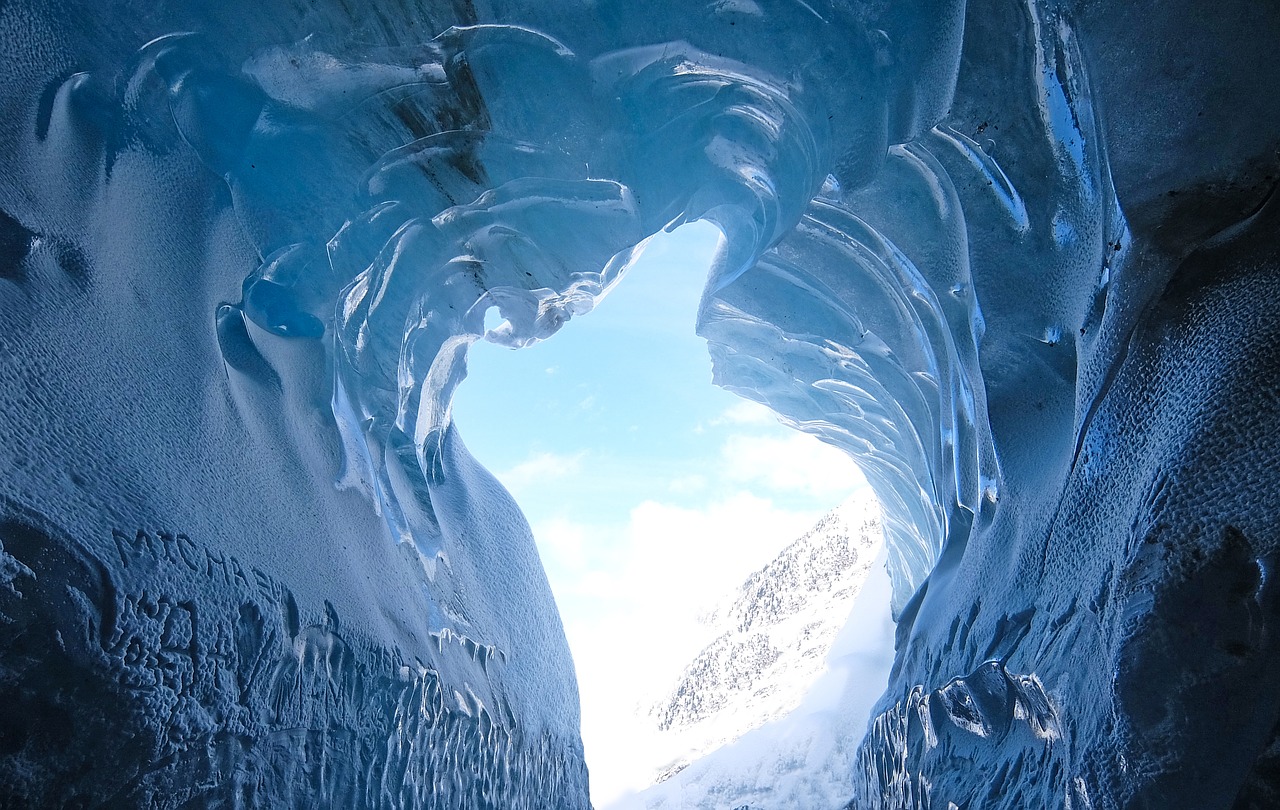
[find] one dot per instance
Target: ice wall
(1012, 255)
(207, 597)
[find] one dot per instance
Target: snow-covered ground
(773, 708)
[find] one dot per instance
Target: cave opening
(665, 509)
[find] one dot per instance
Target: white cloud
(667, 562)
(564, 545)
(746, 412)
(696, 554)
(540, 468)
(796, 463)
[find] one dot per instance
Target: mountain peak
(775, 630)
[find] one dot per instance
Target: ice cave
(1018, 258)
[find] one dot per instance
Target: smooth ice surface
(1017, 257)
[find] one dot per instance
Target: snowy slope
(805, 758)
(774, 634)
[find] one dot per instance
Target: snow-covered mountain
(774, 633)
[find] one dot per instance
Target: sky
(651, 492)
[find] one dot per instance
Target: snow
(772, 635)
(802, 755)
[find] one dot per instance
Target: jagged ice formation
(1018, 257)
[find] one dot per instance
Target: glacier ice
(1017, 257)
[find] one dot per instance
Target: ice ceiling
(1015, 256)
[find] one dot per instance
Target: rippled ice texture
(1015, 256)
